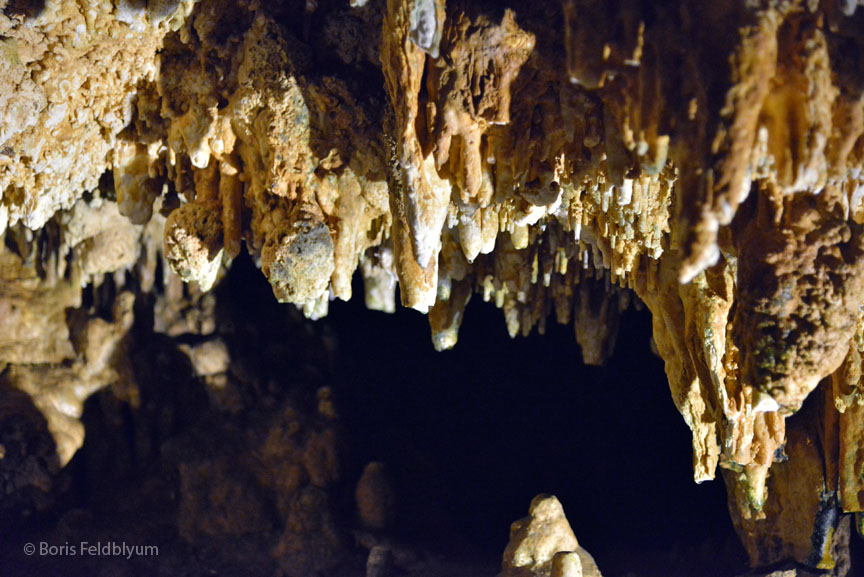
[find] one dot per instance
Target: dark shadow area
(29, 462)
(25, 8)
(483, 428)
(469, 437)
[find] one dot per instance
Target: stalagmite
(537, 541)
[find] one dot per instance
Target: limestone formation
(543, 543)
(554, 157)
(566, 564)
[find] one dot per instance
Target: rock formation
(543, 545)
(553, 157)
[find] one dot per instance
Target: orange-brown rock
(798, 294)
(800, 518)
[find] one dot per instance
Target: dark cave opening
(499, 420)
(469, 436)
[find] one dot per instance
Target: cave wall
(551, 157)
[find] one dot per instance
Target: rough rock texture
(546, 156)
(537, 541)
(59, 359)
(798, 502)
(71, 71)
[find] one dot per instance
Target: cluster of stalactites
(547, 156)
(542, 172)
(446, 201)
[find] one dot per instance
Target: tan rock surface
(536, 541)
(566, 564)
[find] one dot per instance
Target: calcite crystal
(549, 156)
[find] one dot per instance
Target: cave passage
(482, 428)
(469, 436)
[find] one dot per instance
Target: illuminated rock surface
(540, 542)
(558, 158)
